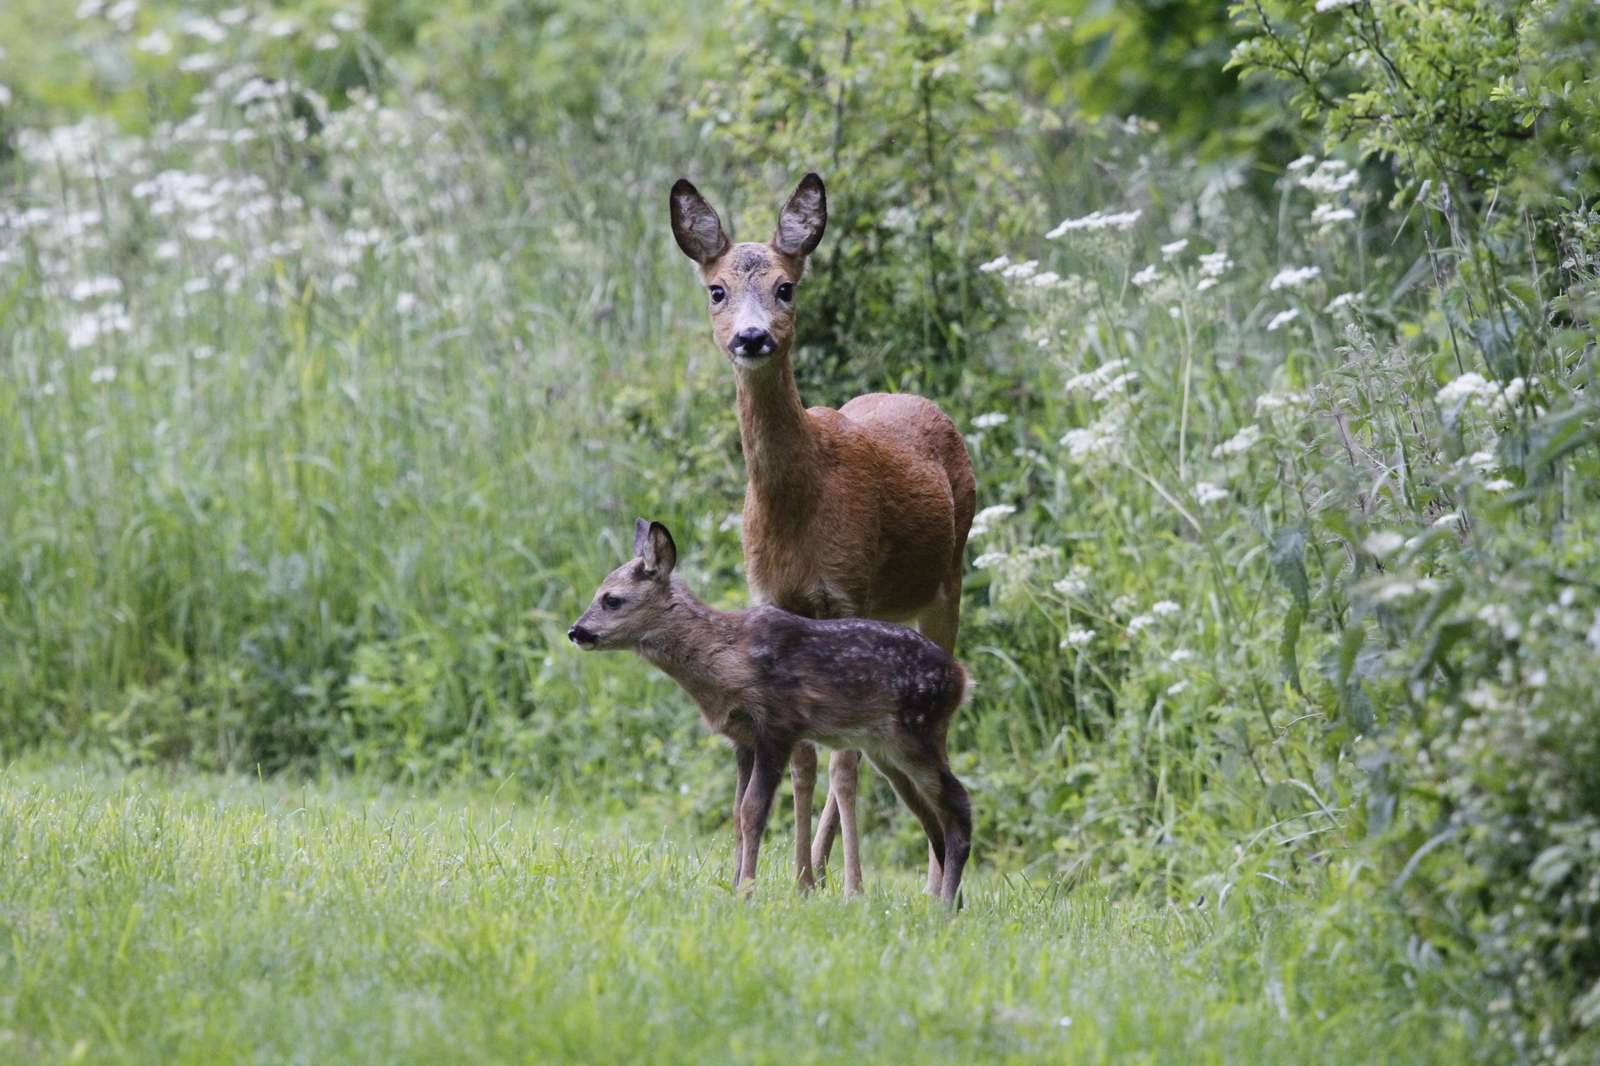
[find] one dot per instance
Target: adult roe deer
(859, 512)
(772, 681)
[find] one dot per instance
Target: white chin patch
(750, 362)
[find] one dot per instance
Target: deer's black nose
(751, 342)
(580, 636)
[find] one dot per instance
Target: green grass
(151, 918)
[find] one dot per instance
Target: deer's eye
(786, 291)
(718, 294)
(610, 602)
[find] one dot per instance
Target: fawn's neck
(691, 648)
(780, 445)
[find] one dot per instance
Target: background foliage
(342, 345)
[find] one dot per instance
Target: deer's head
(634, 599)
(751, 286)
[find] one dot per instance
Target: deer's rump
(916, 424)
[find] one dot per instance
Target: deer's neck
(780, 445)
(692, 647)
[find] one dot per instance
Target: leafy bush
(905, 109)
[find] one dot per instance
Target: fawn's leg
(918, 805)
(956, 814)
(756, 805)
(803, 775)
(844, 768)
(940, 623)
(744, 759)
(827, 829)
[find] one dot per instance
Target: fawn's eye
(718, 294)
(786, 291)
(610, 602)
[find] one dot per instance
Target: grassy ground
(202, 919)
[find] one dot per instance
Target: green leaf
(1288, 562)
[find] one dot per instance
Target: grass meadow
(174, 918)
(340, 346)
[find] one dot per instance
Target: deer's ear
(663, 552)
(803, 218)
(695, 224)
(641, 537)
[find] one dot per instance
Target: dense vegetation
(340, 350)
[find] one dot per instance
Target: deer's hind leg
(940, 623)
(803, 774)
(744, 760)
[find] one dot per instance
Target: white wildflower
(1499, 484)
(1469, 386)
(1344, 299)
(1332, 5)
(1239, 443)
(1096, 379)
(1204, 284)
(1139, 622)
(1099, 439)
(1021, 271)
(1273, 401)
(1145, 276)
(5, 95)
(1293, 277)
(1331, 178)
(94, 288)
(989, 560)
(1208, 493)
(1164, 608)
(1116, 386)
(1181, 655)
(1215, 264)
(1048, 280)
(1328, 214)
(1302, 162)
(986, 519)
(1170, 251)
(155, 43)
(325, 42)
(990, 419)
(198, 62)
(1499, 616)
(1281, 319)
(1177, 688)
(1449, 518)
(1075, 584)
(405, 303)
(1097, 220)
(1384, 543)
(102, 375)
(196, 286)
(1509, 397)
(1077, 638)
(998, 263)
(345, 21)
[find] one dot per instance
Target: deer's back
(854, 681)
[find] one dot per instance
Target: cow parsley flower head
(1293, 277)
(989, 517)
(1077, 638)
(1239, 443)
(1145, 276)
(990, 419)
(1208, 493)
(1096, 220)
(1282, 318)
(1171, 251)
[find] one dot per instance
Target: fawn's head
(751, 286)
(633, 600)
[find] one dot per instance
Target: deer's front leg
(803, 774)
(755, 806)
(744, 759)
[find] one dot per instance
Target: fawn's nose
(580, 636)
(751, 342)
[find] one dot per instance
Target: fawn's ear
(803, 218)
(695, 224)
(654, 547)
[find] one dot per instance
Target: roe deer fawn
(770, 681)
(859, 512)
